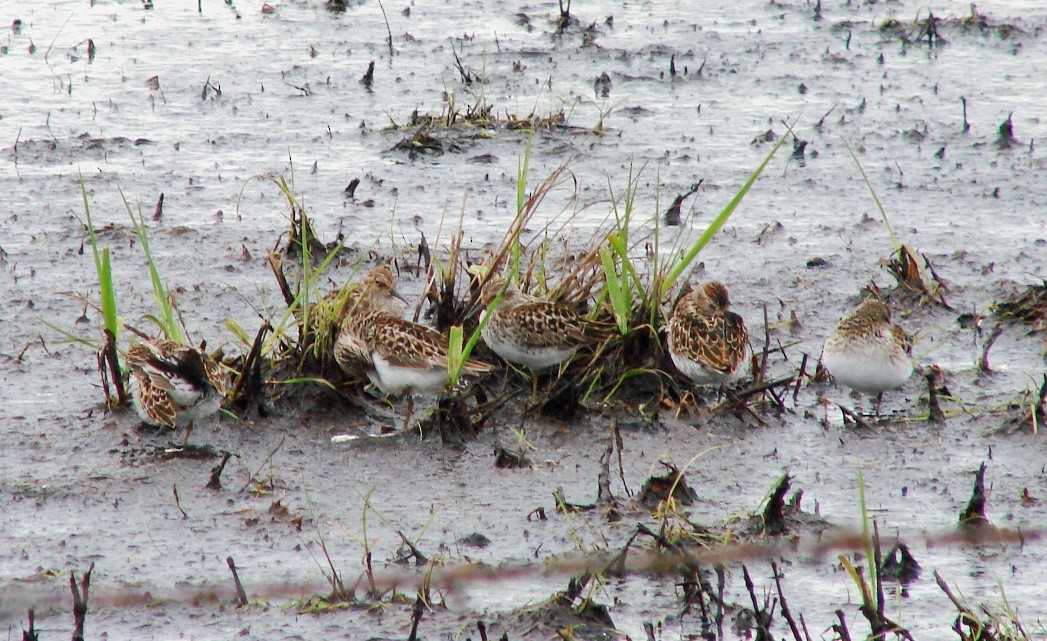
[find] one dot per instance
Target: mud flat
(210, 108)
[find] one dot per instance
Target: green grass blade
(455, 354)
(474, 338)
(719, 221)
(521, 175)
(867, 541)
(73, 338)
(619, 304)
(310, 277)
(641, 371)
(307, 379)
(876, 199)
(630, 280)
(167, 321)
(103, 269)
(108, 293)
(522, 168)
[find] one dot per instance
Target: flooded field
(206, 108)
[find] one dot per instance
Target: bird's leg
(188, 431)
(879, 400)
(410, 412)
(689, 402)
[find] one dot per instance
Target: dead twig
(973, 515)
(766, 346)
(215, 482)
(785, 606)
(388, 31)
(109, 361)
(774, 513)
(31, 634)
(603, 481)
(240, 594)
(616, 434)
(762, 616)
(983, 362)
(178, 502)
(80, 601)
(276, 262)
(841, 629)
(416, 617)
(934, 412)
(854, 416)
(250, 380)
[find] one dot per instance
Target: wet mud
(389, 124)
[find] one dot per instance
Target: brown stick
(276, 262)
(337, 587)
(80, 602)
(762, 387)
(416, 617)
(178, 501)
(113, 361)
(983, 362)
(241, 596)
(758, 613)
(419, 558)
(785, 606)
(252, 361)
(799, 377)
(851, 414)
(616, 434)
(31, 634)
(603, 479)
(841, 629)
(945, 588)
(721, 583)
(803, 624)
(974, 514)
(935, 413)
(766, 346)
(877, 564)
(215, 482)
(774, 514)
(648, 630)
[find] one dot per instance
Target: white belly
(869, 369)
(703, 375)
(395, 380)
(531, 357)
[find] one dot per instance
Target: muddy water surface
(206, 106)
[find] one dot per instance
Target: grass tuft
(104, 270)
(165, 301)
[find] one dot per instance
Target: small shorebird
(400, 356)
(534, 332)
(708, 343)
(173, 385)
(867, 353)
(350, 347)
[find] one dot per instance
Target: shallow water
(78, 488)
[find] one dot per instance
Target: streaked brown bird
(172, 385)
(708, 343)
(534, 332)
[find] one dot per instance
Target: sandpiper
(172, 385)
(377, 289)
(867, 353)
(534, 332)
(401, 356)
(708, 343)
